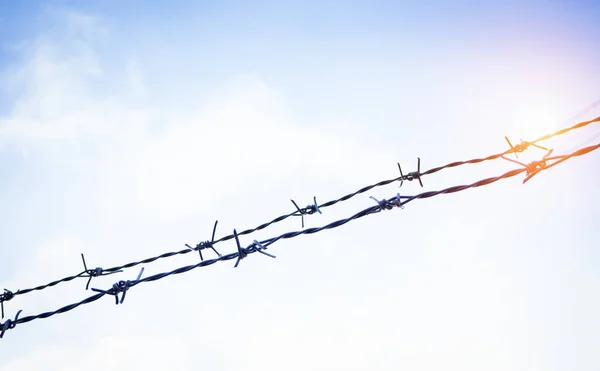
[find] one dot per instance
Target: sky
(128, 128)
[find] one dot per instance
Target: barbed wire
(308, 210)
(397, 201)
(566, 130)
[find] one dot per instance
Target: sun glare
(533, 123)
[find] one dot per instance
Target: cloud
(423, 288)
(122, 164)
(242, 137)
(55, 82)
(136, 80)
(153, 159)
(116, 353)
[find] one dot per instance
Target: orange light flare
(530, 124)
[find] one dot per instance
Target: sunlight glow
(532, 123)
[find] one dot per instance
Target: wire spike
(96, 272)
(308, 210)
(206, 244)
(533, 167)
(399, 201)
(511, 146)
(120, 287)
(214, 231)
(419, 171)
(84, 265)
(260, 247)
(538, 146)
(300, 212)
(241, 252)
(9, 324)
(316, 206)
(513, 161)
(6, 296)
(401, 175)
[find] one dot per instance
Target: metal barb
(9, 324)
(5, 297)
(401, 175)
(195, 249)
(315, 206)
(538, 146)
(536, 166)
(300, 211)
(398, 202)
(241, 252)
(386, 204)
(121, 286)
(513, 161)
(521, 147)
(412, 175)
(257, 246)
(533, 167)
(380, 203)
(206, 244)
(308, 210)
(515, 149)
(91, 273)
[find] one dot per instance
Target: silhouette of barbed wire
(308, 210)
(397, 201)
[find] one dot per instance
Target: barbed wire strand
(308, 210)
(566, 130)
(386, 204)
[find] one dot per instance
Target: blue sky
(127, 128)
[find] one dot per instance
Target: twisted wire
(566, 130)
(393, 200)
(256, 246)
(87, 273)
(361, 191)
(299, 212)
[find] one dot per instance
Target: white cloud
(136, 80)
(402, 295)
(56, 84)
(109, 353)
